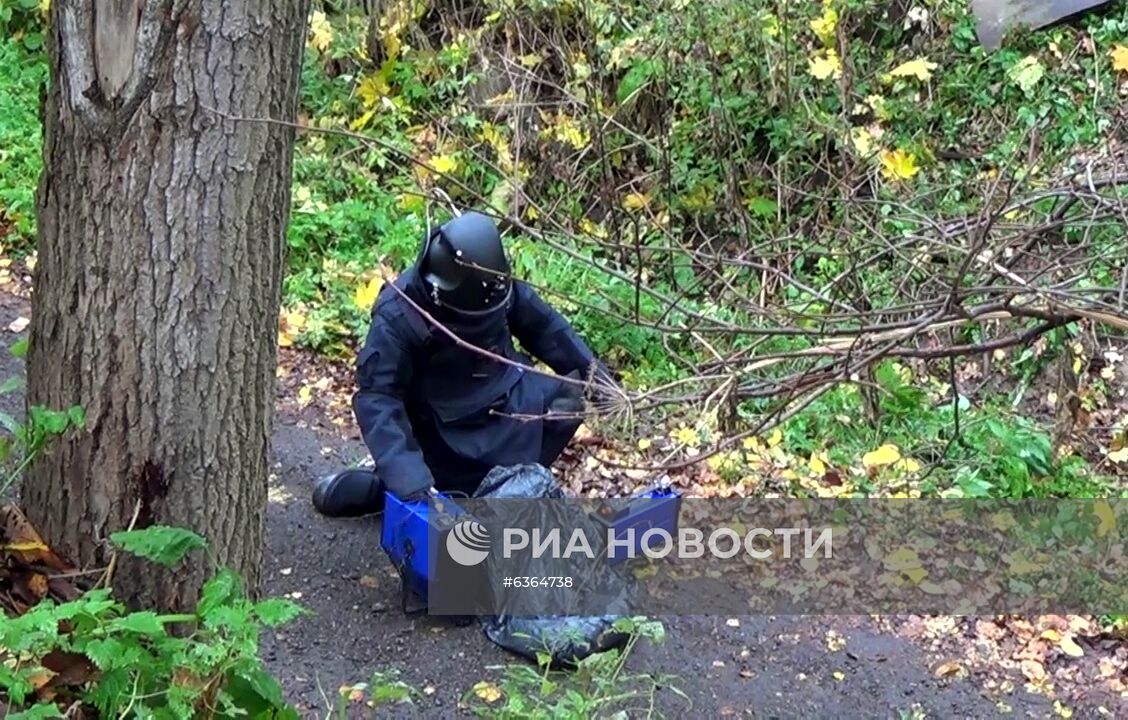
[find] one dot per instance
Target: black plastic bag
(565, 639)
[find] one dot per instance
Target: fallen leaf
(1033, 670)
(1026, 73)
(898, 165)
(286, 571)
(1070, 647)
(369, 581)
(825, 65)
(1119, 55)
(921, 69)
(19, 324)
(635, 201)
(835, 641)
(839, 675)
(732, 622)
(487, 692)
(950, 669)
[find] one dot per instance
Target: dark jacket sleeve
(548, 336)
(383, 373)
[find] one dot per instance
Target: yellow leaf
(1119, 456)
(921, 69)
(371, 89)
(825, 64)
(903, 558)
(487, 692)
(898, 165)
(775, 438)
(1106, 517)
(823, 27)
(862, 139)
(362, 122)
(839, 675)
(365, 295)
(444, 164)
(816, 464)
(916, 574)
(1119, 55)
(1070, 647)
(909, 465)
(320, 32)
(751, 443)
(635, 201)
(644, 444)
(531, 60)
(25, 547)
(1019, 565)
(686, 436)
(305, 395)
(885, 455)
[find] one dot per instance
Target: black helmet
(465, 267)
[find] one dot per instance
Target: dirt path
(758, 667)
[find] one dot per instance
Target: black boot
(349, 493)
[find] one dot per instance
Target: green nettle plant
(131, 664)
(25, 441)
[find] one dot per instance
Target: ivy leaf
(160, 544)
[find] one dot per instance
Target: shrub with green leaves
(202, 664)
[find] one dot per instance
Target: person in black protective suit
(437, 416)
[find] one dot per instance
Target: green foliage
(598, 687)
(141, 668)
(22, 73)
(22, 442)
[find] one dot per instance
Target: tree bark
(161, 246)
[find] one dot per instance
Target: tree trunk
(161, 244)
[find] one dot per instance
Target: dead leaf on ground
(1033, 670)
(952, 668)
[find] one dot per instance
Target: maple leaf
(898, 165)
(371, 89)
(1119, 55)
(445, 164)
(825, 65)
(920, 68)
